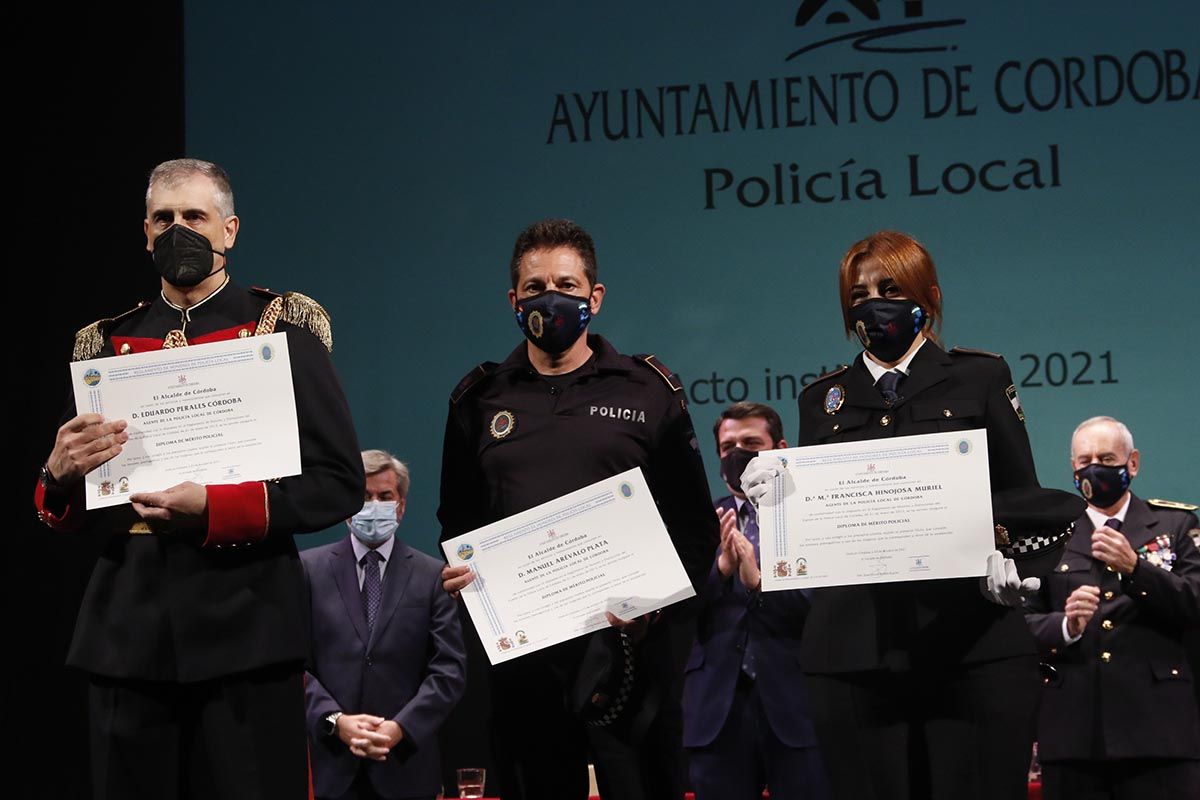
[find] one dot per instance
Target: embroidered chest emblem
(503, 423)
(834, 398)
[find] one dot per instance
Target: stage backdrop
(723, 155)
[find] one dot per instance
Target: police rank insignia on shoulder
(834, 397)
(503, 423)
(663, 371)
(1172, 504)
(1011, 394)
(1158, 552)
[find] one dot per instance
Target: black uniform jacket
(515, 440)
(177, 607)
(1124, 690)
(914, 623)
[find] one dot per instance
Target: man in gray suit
(388, 662)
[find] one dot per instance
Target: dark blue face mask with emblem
(553, 321)
(887, 328)
(1101, 485)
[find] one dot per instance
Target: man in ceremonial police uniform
(562, 411)
(193, 624)
(1119, 717)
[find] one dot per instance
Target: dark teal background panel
(386, 155)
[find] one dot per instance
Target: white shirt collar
(1099, 519)
(361, 549)
(877, 370)
(211, 295)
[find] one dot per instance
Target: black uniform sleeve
(1044, 622)
(808, 420)
(329, 488)
(1010, 458)
(676, 478)
(463, 490)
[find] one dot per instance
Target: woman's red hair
(905, 261)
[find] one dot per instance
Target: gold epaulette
(302, 311)
(295, 309)
(838, 370)
(89, 341)
(1173, 504)
(971, 351)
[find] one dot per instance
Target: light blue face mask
(375, 523)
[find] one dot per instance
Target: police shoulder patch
(971, 351)
(1172, 504)
(1014, 401)
(838, 370)
(671, 378)
(89, 340)
(472, 379)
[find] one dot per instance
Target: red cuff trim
(237, 514)
(66, 522)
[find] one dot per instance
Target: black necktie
(887, 384)
(1113, 523)
(750, 526)
(372, 588)
(750, 531)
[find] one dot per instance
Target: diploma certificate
(548, 574)
(878, 511)
(211, 413)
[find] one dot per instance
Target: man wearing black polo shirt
(562, 411)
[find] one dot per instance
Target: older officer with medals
(562, 411)
(919, 689)
(1119, 716)
(193, 624)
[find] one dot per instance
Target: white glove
(759, 477)
(1002, 585)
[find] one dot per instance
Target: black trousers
(241, 737)
(938, 733)
(747, 756)
(541, 749)
(1121, 779)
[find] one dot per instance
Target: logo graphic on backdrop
(808, 100)
(889, 37)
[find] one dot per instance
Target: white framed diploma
(878, 511)
(222, 412)
(548, 574)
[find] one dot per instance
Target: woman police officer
(921, 688)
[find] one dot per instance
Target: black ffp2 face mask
(183, 257)
(887, 328)
(733, 464)
(553, 321)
